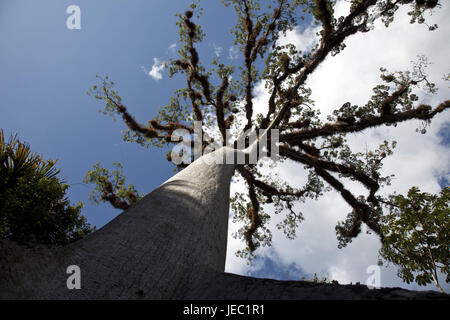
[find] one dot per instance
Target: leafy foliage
(17, 160)
(417, 236)
(33, 206)
(110, 186)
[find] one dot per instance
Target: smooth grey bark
(169, 245)
(157, 248)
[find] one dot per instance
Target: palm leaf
(17, 160)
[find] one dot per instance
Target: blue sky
(46, 70)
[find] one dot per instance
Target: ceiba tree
(172, 242)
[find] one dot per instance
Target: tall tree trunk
(169, 245)
(158, 248)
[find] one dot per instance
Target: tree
(172, 243)
(33, 206)
(416, 236)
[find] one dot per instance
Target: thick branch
(422, 112)
(115, 201)
(386, 105)
(135, 126)
(277, 81)
(220, 108)
(267, 189)
(312, 161)
(253, 215)
(325, 16)
(170, 126)
(331, 42)
(252, 47)
(249, 44)
(361, 211)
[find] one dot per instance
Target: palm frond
(17, 159)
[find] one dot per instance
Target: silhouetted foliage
(33, 206)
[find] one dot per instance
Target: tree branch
(220, 108)
(421, 112)
(252, 46)
(267, 189)
(371, 184)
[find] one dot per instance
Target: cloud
(304, 39)
(271, 266)
(156, 71)
(233, 53)
(217, 51)
(418, 160)
(172, 47)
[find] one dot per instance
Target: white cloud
(172, 47)
(302, 39)
(217, 50)
(342, 8)
(418, 159)
(233, 53)
(156, 71)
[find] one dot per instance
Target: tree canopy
(417, 236)
(221, 98)
(33, 204)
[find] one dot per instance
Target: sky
(46, 69)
